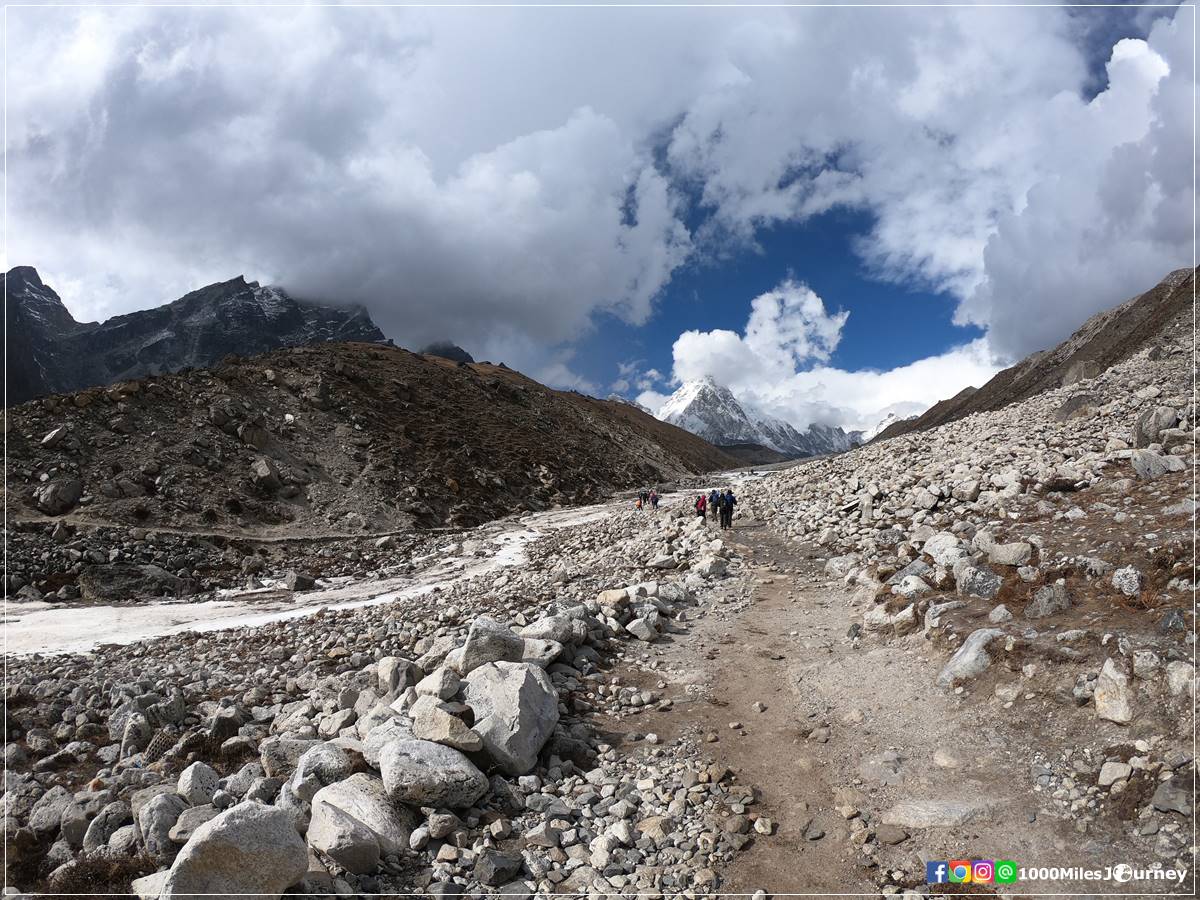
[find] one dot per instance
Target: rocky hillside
(452, 739)
(710, 410)
(336, 438)
(50, 353)
(1104, 340)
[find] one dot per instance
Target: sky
(838, 212)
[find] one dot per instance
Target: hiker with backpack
(701, 505)
(728, 501)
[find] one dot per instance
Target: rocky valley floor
(723, 724)
(976, 642)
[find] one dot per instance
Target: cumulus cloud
(1112, 219)
(788, 327)
(500, 177)
(777, 366)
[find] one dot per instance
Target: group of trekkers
(719, 505)
(647, 499)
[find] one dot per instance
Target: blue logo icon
(935, 872)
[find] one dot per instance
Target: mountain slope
(1104, 340)
(333, 438)
(711, 411)
(447, 350)
(56, 354)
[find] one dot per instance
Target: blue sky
(889, 325)
(838, 212)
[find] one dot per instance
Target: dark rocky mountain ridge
(447, 350)
(49, 352)
(333, 438)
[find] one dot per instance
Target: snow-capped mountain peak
(710, 410)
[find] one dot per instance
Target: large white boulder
(363, 798)
(488, 641)
(248, 849)
(431, 722)
(516, 709)
(423, 773)
(945, 547)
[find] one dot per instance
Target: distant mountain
(883, 424)
(447, 350)
(617, 398)
(49, 352)
(710, 410)
(1104, 340)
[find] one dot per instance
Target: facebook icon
(935, 872)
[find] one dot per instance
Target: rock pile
(445, 744)
(58, 562)
(1001, 514)
(1046, 548)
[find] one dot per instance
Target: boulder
(975, 582)
(58, 495)
(1149, 464)
(395, 673)
(1127, 580)
(644, 628)
(1149, 425)
(298, 581)
(248, 849)
(197, 783)
(1173, 795)
(320, 765)
(280, 754)
(495, 867)
(1112, 772)
(841, 566)
(1015, 554)
(970, 660)
(1114, 696)
(265, 476)
(423, 773)
(488, 641)
(516, 709)
(191, 819)
(156, 819)
(443, 683)
(344, 839)
(1181, 678)
(393, 728)
(945, 548)
(431, 722)
(1048, 600)
(567, 630)
(363, 798)
(100, 830)
(541, 652)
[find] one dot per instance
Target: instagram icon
(981, 871)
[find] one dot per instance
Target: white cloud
(1115, 216)
(778, 365)
(788, 327)
(500, 176)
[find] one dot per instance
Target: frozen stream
(49, 628)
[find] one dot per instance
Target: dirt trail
(851, 731)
